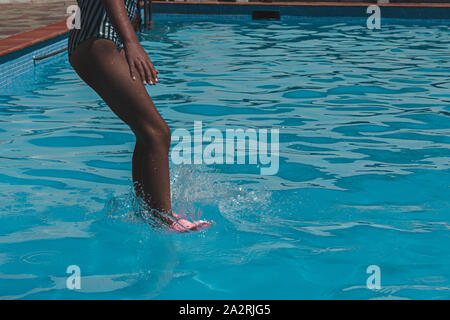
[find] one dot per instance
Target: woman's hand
(137, 58)
(140, 63)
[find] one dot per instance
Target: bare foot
(184, 225)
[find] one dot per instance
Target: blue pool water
(363, 176)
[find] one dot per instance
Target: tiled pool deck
(19, 17)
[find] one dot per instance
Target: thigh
(105, 69)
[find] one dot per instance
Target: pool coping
(26, 39)
(30, 38)
(312, 4)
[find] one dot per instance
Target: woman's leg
(103, 68)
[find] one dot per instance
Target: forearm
(117, 13)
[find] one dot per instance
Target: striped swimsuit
(95, 23)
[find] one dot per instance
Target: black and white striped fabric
(95, 23)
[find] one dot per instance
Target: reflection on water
(364, 158)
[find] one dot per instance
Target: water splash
(193, 188)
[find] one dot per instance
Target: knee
(156, 136)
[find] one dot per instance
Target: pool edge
(11, 46)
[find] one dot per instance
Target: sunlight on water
(363, 169)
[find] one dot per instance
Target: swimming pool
(363, 173)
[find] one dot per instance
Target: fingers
(132, 71)
(141, 71)
(145, 70)
(147, 74)
(152, 71)
(155, 72)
